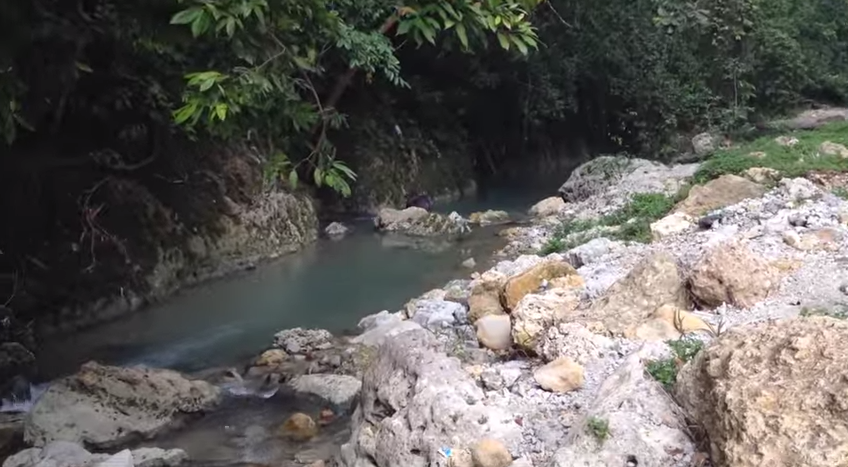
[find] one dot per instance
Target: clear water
(330, 285)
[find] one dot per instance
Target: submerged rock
(418, 222)
(299, 427)
(105, 406)
(336, 230)
(488, 217)
(772, 394)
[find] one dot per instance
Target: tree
(269, 55)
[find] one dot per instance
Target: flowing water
(330, 285)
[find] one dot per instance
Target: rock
(561, 375)
(121, 459)
(757, 155)
(704, 144)
(336, 230)
(829, 148)
(822, 239)
(392, 219)
(799, 189)
(646, 428)
(339, 390)
(670, 225)
(11, 433)
(377, 336)
(786, 141)
(458, 291)
(484, 300)
(782, 383)
(157, 457)
(536, 313)
(53, 454)
(575, 341)
(273, 357)
(595, 176)
(762, 175)
(719, 193)
(299, 427)
(469, 263)
(494, 331)
(531, 280)
(437, 314)
(490, 453)
(488, 217)
(653, 283)
(592, 251)
(730, 273)
(303, 341)
(104, 406)
(814, 118)
(378, 319)
(668, 323)
(547, 207)
(416, 400)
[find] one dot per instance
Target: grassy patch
(665, 371)
(599, 428)
(792, 161)
(841, 192)
(838, 311)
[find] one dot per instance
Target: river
(329, 284)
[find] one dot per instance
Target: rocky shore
(649, 316)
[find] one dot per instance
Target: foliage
(790, 161)
(599, 427)
(665, 371)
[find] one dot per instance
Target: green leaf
(185, 112)
(403, 27)
(186, 16)
(293, 179)
(504, 40)
(318, 175)
(231, 26)
(221, 111)
(200, 25)
(463, 36)
(208, 83)
(520, 44)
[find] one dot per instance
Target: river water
(330, 285)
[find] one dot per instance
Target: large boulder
(494, 332)
(339, 390)
(772, 394)
(418, 222)
(704, 144)
(643, 425)
(633, 300)
(485, 299)
(104, 406)
(592, 251)
(731, 273)
(415, 401)
(530, 281)
(594, 176)
(438, 314)
(394, 219)
(547, 207)
(719, 193)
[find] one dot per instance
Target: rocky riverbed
(714, 341)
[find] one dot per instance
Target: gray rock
(375, 337)
(121, 459)
(494, 332)
(303, 341)
(458, 291)
(704, 144)
(416, 400)
(339, 390)
(379, 319)
(591, 251)
(103, 406)
(336, 230)
(158, 457)
(646, 427)
(436, 314)
(68, 454)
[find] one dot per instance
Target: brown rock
(829, 148)
(668, 322)
(650, 285)
(731, 273)
(299, 427)
(273, 357)
(719, 193)
(490, 453)
(530, 281)
(547, 207)
(561, 375)
(773, 394)
(484, 300)
(762, 174)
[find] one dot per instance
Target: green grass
(841, 192)
(789, 161)
(599, 427)
(665, 371)
(838, 311)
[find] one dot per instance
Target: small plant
(837, 312)
(665, 371)
(599, 427)
(841, 192)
